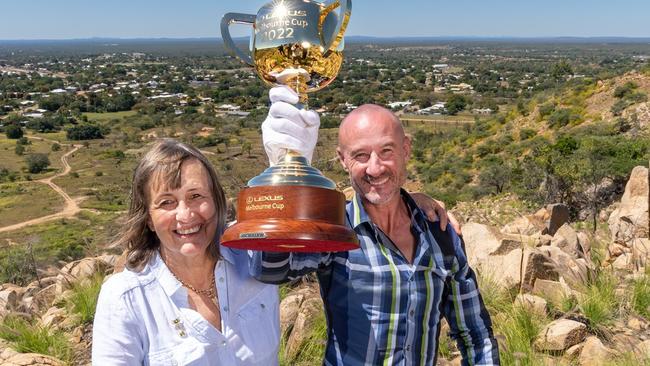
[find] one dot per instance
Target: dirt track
(71, 208)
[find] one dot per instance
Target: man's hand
(435, 210)
(288, 127)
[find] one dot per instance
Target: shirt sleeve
(277, 268)
(468, 319)
(116, 336)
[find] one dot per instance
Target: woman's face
(184, 219)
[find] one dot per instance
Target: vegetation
(85, 132)
(28, 338)
(312, 349)
(14, 132)
(36, 163)
(83, 298)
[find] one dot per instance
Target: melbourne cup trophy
(291, 206)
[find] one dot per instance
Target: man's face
(374, 151)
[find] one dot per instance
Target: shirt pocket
(187, 353)
(259, 325)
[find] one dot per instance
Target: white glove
(287, 127)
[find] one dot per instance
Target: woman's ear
(150, 225)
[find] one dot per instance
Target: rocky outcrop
(594, 353)
(630, 219)
(30, 359)
(298, 312)
(560, 335)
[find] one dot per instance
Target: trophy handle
(343, 19)
(226, 21)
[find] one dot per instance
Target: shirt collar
(165, 277)
(358, 215)
(167, 280)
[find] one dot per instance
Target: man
(383, 301)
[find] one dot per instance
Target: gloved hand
(287, 127)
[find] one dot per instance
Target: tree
(455, 104)
(561, 70)
(84, 132)
(495, 174)
(36, 163)
(14, 132)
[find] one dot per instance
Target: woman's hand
(435, 210)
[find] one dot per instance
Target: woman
(183, 299)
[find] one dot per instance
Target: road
(70, 209)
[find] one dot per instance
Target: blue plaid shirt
(383, 310)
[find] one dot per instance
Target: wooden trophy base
(290, 218)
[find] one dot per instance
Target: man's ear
(407, 147)
(339, 152)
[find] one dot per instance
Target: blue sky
(64, 19)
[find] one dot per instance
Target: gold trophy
(291, 206)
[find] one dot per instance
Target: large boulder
(309, 312)
(534, 304)
(31, 359)
(524, 225)
(566, 239)
(594, 353)
(553, 291)
(558, 216)
(630, 219)
(10, 296)
(79, 271)
(641, 252)
(291, 304)
(560, 335)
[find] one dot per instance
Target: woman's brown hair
(162, 164)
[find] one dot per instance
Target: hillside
(575, 144)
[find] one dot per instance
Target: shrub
(641, 297)
(13, 132)
(36, 163)
(519, 327)
(83, 298)
(562, 117)
(546, 109)
(625, 89)
(526, 133)
(84, 132)
(600, 304)
(56, 147)
(20, 149)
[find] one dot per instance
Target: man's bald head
(365, 119)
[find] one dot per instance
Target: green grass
(519, 327)
(29, 338)
(83, 298)
(641, 296)
(446, 347)
(41, 199)
(106, 117)
(600, 304)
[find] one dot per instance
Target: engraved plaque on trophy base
(290, 219)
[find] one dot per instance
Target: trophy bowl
(291, 206)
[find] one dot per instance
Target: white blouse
(145, 319)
